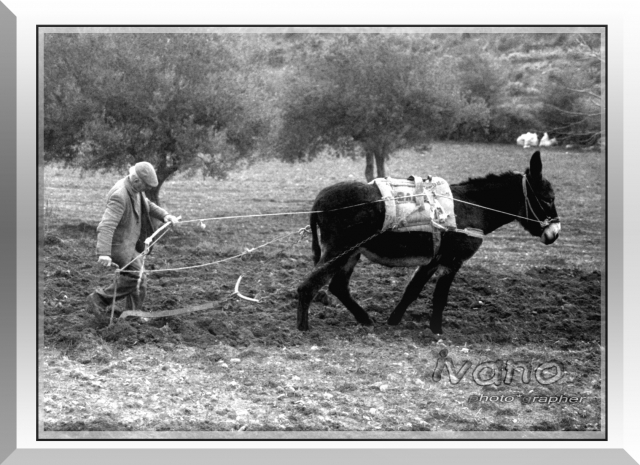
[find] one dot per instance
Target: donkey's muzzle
(550, 233)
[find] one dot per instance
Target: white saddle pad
(417, 204)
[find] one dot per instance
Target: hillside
(515, 73)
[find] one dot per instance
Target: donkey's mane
(483, 180)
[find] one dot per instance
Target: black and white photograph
(322, 233)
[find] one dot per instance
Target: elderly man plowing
(125, 225)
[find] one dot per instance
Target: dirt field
(516, 298)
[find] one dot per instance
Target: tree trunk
(163, 170)
(163, 173)
(368, 170)
(375, 152)
(380, 156)
(153, 194)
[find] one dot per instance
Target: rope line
(488, 208)
(201, 220)
(248, 251)
(290, 213)
(352, 206)
(165, 228)
(256, 215)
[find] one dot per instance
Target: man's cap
(145, 171)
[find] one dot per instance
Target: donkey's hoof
(323, 298)
(437, 331)
(366, 329)
(303, 327)
(394, 321)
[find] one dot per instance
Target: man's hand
(104, 260)
(173, 219)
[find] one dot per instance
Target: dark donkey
(482, 203)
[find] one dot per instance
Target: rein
(164, 228)
(527, 205)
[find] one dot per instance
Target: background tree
(483, 77)
(209, 102)
(112, 100)
(572, 94)
(376, 92)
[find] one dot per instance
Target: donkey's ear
(535, 165)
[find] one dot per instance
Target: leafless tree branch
(577, 113)
(584, 91)
(593, 53)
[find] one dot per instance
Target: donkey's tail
(315, 244)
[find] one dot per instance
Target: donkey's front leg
(412, 291)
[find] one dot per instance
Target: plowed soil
(541, 304)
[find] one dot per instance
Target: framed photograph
(292, 236)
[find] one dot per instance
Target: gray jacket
(121, 224)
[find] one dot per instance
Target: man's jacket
(124, 220)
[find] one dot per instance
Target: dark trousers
(127, 287)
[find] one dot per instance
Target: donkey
(485, 203)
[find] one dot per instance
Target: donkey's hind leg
(441, 296)
(339, 287)
(412, 291)
(310, 287)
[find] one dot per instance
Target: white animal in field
(546, 142)
(527, 140)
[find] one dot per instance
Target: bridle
(527, 205)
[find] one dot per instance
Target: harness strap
(437, 239)
(419, 199)
(527, 206)
(473, 232)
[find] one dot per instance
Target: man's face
(138, 184)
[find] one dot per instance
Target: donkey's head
(539, 203)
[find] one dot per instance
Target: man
(125, 225)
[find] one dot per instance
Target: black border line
(39, 243)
